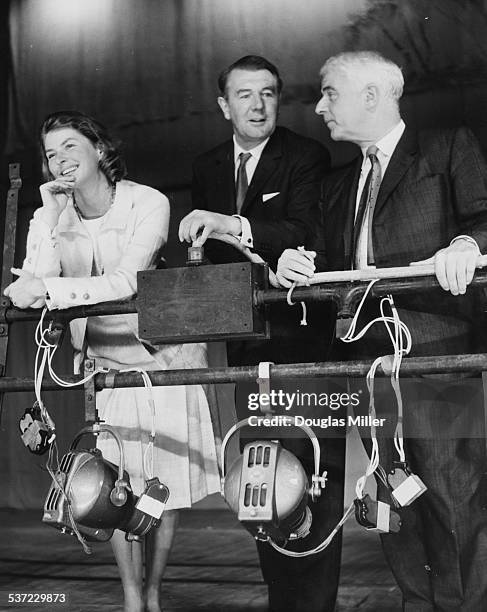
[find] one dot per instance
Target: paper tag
(376, 515)
(149, 505)
(409, 490)
(383, 515)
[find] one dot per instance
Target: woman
(86, 243)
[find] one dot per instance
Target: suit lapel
(268, 162)
(225, 179)
(352, 179)
(402, 158)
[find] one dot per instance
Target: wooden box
(201, 303)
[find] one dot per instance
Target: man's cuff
(46, 295)
(50, 303)
(246, 237)
(468, 239)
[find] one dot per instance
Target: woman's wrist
(49, 216)
(39, 288)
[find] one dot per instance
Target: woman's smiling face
(69, 153)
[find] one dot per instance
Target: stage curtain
(148, 69)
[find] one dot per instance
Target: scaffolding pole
(414, 366)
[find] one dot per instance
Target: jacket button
(72, 296)
(86, 296)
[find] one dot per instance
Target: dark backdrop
(147, 69)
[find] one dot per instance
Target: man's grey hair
(387, 73)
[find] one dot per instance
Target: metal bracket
(8, 255)
(91, 414)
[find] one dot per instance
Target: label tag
(383, 516)
(149, 505)
(376, 515)
(409, 490)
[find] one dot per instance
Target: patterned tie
(242, 182)
(367, 204)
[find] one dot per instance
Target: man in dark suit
(276, 209)
(280, 207)
(431, 205)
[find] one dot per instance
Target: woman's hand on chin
(55, 195)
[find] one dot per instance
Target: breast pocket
(271, 205)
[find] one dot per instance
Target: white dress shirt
(246, 237)
(386, 147)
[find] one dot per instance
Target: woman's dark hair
(111, 163)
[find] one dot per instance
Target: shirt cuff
(468, 239)
(246, 237)
(50, 303)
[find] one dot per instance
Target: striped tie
(367, 204)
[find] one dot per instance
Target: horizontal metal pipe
(333, 290)
(14, 315)
(322, 292)
(410, 367)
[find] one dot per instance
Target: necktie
(242, 182)
(367, 204)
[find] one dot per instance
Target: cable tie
(289, 294)
(291, 303)
(387, 364)
(110, 379)
(264, 382)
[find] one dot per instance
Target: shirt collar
(388, 143)
(256, 152)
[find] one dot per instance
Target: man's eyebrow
(326, 88)
(272, 88)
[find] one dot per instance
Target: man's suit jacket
(291, 167)
(288, 174)
(434, 189)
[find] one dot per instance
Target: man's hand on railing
(454, 265)
(295, 266)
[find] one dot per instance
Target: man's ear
(223, 104)
(371, 95)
